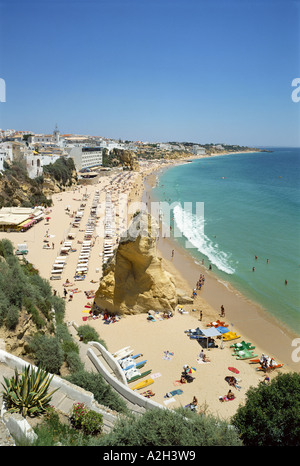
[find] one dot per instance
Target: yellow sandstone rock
(135, 280)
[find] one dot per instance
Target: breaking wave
(192, 228)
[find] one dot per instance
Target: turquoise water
(251, 208)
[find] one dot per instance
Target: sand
(153, 339)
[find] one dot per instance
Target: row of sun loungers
(109, 230)
(60, 261)
(83, 259)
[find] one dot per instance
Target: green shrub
(88, 333)
(160, 427)
(12, 317)
(73, 361)
(103, 393)
(52, 432)
(6, 248)
(47, 352)
(271, 414)
(86, 419)
(59, 306)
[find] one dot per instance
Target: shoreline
(248, 317)
(152, 339)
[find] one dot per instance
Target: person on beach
(172, 252)
(193, 404)
(65, 292)
(222, 311)
(200, 316)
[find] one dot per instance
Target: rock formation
(135, 280)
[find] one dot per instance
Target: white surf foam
(192, 228)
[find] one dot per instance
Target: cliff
(17, 189)
(135, 281)
(120, 158)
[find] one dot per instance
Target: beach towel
(167, 355)
(156, 375)
(200, 361)
(177, 382)
(169, 400)
(148, 393)
(176, 392)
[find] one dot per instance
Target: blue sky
(153, 70)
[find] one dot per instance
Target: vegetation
(159, 427)
(269, 417)
(62, 170)
(22, 289)
(53, 431)
(88, 333)
(11, 194)
(103, 393)
(27, 393)
(86, 419)
(271, 414)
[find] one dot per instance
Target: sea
(239, 213)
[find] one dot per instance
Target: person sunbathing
(230, 395)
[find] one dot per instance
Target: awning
(210, 332)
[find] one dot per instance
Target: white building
(36, 162)
(86, 157)
(198, 150)
(2, 158)
(46, 139)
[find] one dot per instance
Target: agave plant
(26, 393)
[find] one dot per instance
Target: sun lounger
(55, 277)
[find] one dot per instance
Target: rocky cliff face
(121, 158)
(135, 281)
(17, 189)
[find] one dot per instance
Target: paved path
(59, 399)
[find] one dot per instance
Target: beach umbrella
(191, 370)
(48, 218)
(222, 329)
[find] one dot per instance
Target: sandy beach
(153, 339)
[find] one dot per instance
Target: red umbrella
(48, 218)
